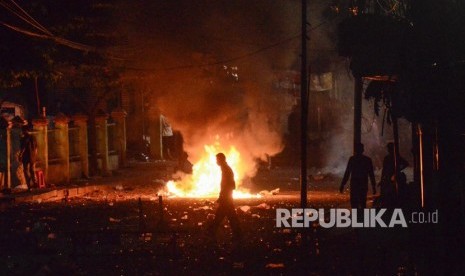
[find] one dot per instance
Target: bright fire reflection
(204, 182)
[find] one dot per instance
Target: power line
(22, 14)
(58, 40)
(83, 47)
(32, 19)
(46, 34)
(23, 31)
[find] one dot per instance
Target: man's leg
(358, 199)
(26, 172)
(363, 200)
(358, 203)
(219, 216)
(354, 201)
(361, 204)
(234, 222)
(32, 173)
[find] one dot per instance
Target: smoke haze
(235, 99)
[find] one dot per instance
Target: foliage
(383, 93)
(70, 48)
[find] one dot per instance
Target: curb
(56, 194)
(60, 193)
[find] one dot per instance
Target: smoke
(244, 114)
(375, 134)
(232, 100)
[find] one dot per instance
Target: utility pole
(304, 110)
(358, 90)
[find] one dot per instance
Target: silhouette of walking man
(225, 199)
(359, 168)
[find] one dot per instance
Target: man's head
(359, 148)
(220, 158)
(390, 148)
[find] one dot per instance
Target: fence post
(8, 153)
(5, 143)
(15, 133)
(62, 146)
(40, 127)
(119, 116)
(102, 142)
(80, 120)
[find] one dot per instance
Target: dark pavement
(109, 231)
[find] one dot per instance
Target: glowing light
(204, 182)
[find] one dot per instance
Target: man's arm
(372, 177)
(346, 175)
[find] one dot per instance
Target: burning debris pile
(205, 178)
(229, 107)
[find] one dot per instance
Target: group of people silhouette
(393, 183)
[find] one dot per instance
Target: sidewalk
(134, 172)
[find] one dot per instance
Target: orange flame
(204, 182)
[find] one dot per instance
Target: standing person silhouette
(225, 200)
(389, 178)
(27, 156)
(359, 168)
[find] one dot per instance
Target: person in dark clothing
(27, 156)
(388, 179)
(225, 199)
(359, 168)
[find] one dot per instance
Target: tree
(67, 45)
(91, 78)
(388, 94)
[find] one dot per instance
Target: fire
(204, 182)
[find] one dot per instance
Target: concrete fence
(62, 147)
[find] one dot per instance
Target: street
(115, 233)
(330, 133)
